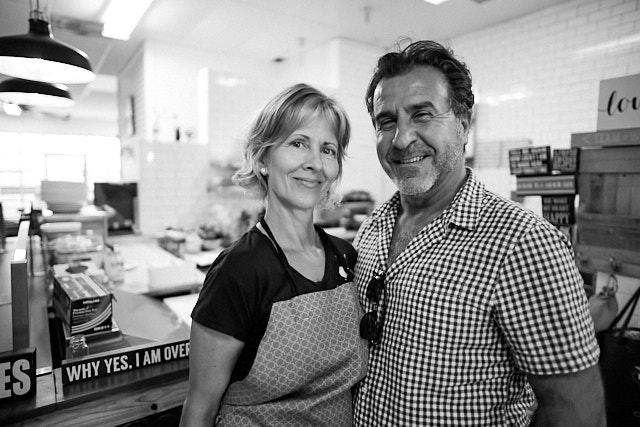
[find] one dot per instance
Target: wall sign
(606, 138)
(559, 210)
(18, 373)
(545, 185)
(619, 103)
(565, 161)
(530, 161)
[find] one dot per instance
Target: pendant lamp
(38, 56)
(35, 94)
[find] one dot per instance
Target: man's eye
(423, 115)
(386, 125)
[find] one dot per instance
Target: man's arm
(575, 399)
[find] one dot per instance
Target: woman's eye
(330, 151)
(296, 143)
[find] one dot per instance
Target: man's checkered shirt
(486, 292)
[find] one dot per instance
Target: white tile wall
(172, 191)
(556, 58)
(537, 79)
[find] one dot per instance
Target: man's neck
(416, 212)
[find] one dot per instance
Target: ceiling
(262, 29)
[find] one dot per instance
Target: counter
(109, 400)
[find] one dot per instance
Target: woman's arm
(212, 357)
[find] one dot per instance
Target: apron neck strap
(324, 238)
(281, 256)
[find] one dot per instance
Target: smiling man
(476, 313)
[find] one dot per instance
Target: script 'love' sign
(619, 103)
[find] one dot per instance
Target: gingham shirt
(486, 292)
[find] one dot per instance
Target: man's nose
(404, 136)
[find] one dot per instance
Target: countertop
(109, 400)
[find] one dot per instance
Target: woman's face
(302, 168)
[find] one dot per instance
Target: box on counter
(87, 267)
(82, 303)
(95, 339)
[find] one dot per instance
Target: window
(27, 159)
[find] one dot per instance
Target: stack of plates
(64, 196)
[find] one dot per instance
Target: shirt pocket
(457, 316)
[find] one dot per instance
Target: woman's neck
(293, 230)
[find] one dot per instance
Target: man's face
(419, 140)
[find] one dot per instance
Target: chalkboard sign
(559, 210)
(530, 161)
(565, 161)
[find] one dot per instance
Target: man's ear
(466, 124)
(462, 127)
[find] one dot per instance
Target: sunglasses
(371, 323)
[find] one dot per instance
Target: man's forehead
(419, 86)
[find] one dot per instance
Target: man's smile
(409, 160)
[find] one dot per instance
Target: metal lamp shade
(35, 94)
(38, 56)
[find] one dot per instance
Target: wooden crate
(608, 218)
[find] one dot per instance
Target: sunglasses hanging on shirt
(371, 323)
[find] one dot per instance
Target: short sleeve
(240, 288)
(224, 303)
(542, 306)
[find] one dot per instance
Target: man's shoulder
(383, 212)
(515, 217)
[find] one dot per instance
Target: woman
(274, 337)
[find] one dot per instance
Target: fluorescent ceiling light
(435, 1)
(609, 46)
(122, 16)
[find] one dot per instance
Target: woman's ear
(262, 168)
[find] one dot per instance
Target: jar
(78, 346)
(114, 265)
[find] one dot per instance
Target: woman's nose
(313, 160)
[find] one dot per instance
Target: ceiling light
(435, 1)
(122, 16)
(35, 94)
(38, 56)
(12, 109)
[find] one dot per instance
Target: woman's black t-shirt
(244, 282)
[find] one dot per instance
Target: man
(474, 305)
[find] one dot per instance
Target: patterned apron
(308, 360)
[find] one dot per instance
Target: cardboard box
(82, 303)
(86, 267)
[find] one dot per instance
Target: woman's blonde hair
(285, 113)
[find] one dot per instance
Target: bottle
(114, 265)
(78, 347)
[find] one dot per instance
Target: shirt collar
(463, 211)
